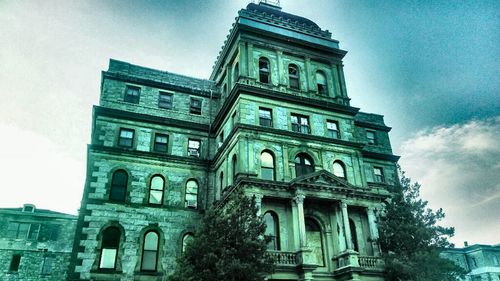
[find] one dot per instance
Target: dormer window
(132, 94)
(370, 136)
(293, 76)
(321, 83)
(264, 71)
(29, 208)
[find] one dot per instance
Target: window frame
(335, 134)
(264, 73)
(303, 167)
(117, 187)
(342, 166)
(263, 121)
(156, 251)
(130, 95)
(123, 141)
(165, 104)
(15, 263)
(47, 265)
(191, 150)
(294, 77)
(195, 106)
(298, 127)
(157, 145)
(191, 194)
(272, 168)
(371, 137)
(107, 247)
(322, 89)
(156, 189)
(378, 177)
(275, 242)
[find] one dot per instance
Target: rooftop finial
(271, 3)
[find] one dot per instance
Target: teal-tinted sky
(431, 67)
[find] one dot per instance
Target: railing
(283, 258)
(370, 262)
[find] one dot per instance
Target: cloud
(459, 169)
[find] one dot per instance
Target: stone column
(250, 60)
(243, 62)
(342, 81)
(309, 83)
(340, 225)
(258, 203)
(299, 201)
(373, 230)
(347, 229)
(336, 81)
(279, 59)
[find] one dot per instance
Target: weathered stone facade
(481, 261)
(273, 119)
(35, 244)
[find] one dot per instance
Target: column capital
(343, 204)
(258, 197)
(299, 197)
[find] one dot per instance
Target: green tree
(229, 245)
(410, 238)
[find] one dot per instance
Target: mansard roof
(146, 74)
(274, 15)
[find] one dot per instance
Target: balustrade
(283, 258)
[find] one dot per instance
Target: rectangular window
(34, 230)
(300, 124)
(265, 117)
(195, 106)
(47, 265)
(14, 263)
(333, 129)
(234, 120)
(194, 148)
(370, 136)
(161, 143)
(16, 230)
(378, 174)
(108, 258)
(126, 138)
(132, 94)
(165, 100)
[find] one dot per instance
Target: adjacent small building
(35, 244)
(482, 261)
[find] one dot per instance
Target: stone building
(274, 119)
(35, 244)
(481, 261)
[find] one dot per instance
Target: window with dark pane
(293, 76)
(118, 186)
(47, 265)
(303, 164)
(265, 117)
(300, 123)
(14, 262)
(34, 230)
(186, 240)
(194, 147)
(161, 143)
(126, 138)
(321, 83)
(165, 100)
(109, 248)
(272, 231)
(132, 94)
(267, 166)
(333, 129)
(264, 74)
(195, 106)
(150, 251)
(370, 136)
(156, 189)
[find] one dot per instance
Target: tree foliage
(229, 245)
(410, 238)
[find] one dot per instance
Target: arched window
(118, 186)
(267, 166)
(315, 240)
(150, 251)
(234, 165)
(339, 169)
(186, 239)
(264, 71)
(303, 164)
(110, 244)
(191, 194)
(293, 76)
(272, 230)
(236, 73)
(321, 83)
(354, 236)
(156, 188)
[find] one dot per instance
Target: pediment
(321, 178)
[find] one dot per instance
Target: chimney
(466, 244)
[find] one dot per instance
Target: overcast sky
(430, 67)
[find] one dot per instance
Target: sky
(430, 67)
